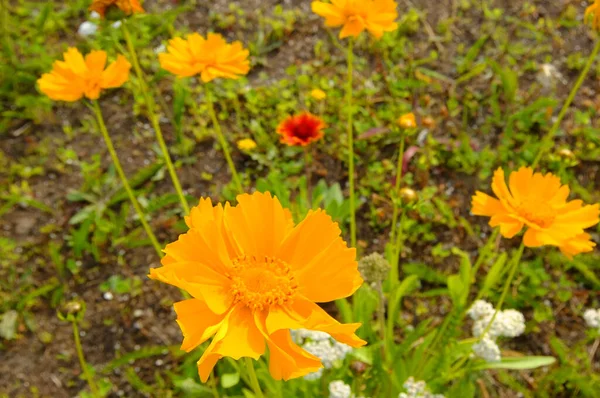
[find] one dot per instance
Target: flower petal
(197, 322)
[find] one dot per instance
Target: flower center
(536, 211)
(262, 282)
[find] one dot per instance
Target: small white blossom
(314, 375)
(339, 389)
(508, 323)
(487, 349)
(94, 15)
(480, 309)
(592, 318)
(117, 24)
(87, 29)
(417, 389)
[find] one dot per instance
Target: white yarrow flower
(487, 349)
(417, 389)
(592, 318)
(87, 29)
(480, 309)
(339, 389)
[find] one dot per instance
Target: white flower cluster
(508, 323)
(339, 389)
(89, 28)
(417, 389)
(323, 346)
(592, 318)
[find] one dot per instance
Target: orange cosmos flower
(253, 276)
(539, 203)
(593, 10)
(376, 16)
(127, 6)
(76, 77)
(210, 58)
(301, 129)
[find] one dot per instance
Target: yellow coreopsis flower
(594, 11)
(210, 58)
(253, 276)
(127, 6)
(77, 77)
(539, 203)
(355, 16)
(246, 144)
(407, 121)
(318, 94)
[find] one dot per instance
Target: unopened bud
(408, 195)
(407, 121)
(566, 153)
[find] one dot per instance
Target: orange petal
(580, 244)
(500, 189)
(116, 74)
(520, 182)
(485, 205)
(238, 337)
(197, 322)
(258, 224)
(509, 226)
(332, 14)
(315, 247)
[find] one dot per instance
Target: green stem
(86, 373)
(124, 181)
(381, 321)
(513, 269)
(222, 140)
(547, 140)
(213, 385)
(396, 192)
(484, 253)
(253, 379)
(308, 171)
(150, 105)
(350, 134)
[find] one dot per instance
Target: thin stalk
(399, 172)
(124, 181)
(213, 384)
(154, 120)
(350, 134)
(222, 140)
(253, 379)
(86, 373)
(381, 320)
(308, 171)
(511, 275)
(483, 255)
(550, 135)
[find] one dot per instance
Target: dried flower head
(356, 16)
(539, 203)
(76, 77)
(127, 6)
(210, 58)
(374, 268)
(254, 276)
(301, 130)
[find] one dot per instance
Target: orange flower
(407, 121)
(253, 276)
(538, 202)
(376, 16)
(127, 6)
(301, 129)
(76, 77)
(211, 57)
(593, 10)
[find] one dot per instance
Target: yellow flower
(376, 16)
(253, 276)
(407, 121)
(127, 6)
(539, 203)
(210, 58)
(318, 94)
(593, 10)
(76, 77)
(247, 144)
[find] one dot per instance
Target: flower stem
(150, 105)
(396, 233)
(253, 379)
(307, 169)
(381, 321)
(124, 181)
(84, 367)
(222, 140)
(350, 134)
(547, 140)
(511, 275)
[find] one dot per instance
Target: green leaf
(457, 289)
(229, 380)
(493, 274)
(8, 325)
(520, 363)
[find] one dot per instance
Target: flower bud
(373, 268)
(408, 195)
(407, 121)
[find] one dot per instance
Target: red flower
(301, 129)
